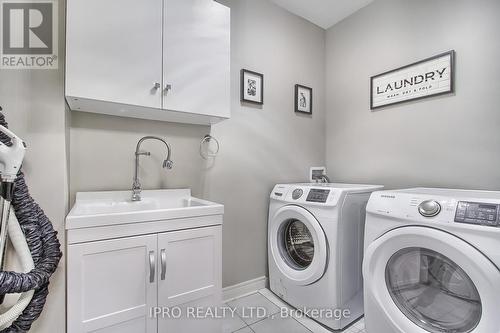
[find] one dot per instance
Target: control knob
(297, 193)
(429, 208)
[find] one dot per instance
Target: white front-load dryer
(315, 248)
(432, 259)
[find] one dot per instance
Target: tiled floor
(261, 313)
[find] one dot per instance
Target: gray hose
(44, 247)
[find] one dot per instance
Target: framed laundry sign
(430, 77)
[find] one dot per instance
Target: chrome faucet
(167, 163)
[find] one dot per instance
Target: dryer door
(298, 245)
(428, 280)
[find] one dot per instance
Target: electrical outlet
(316, 173)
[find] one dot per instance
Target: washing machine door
(298, 245)
(428, 280)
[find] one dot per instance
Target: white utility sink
(94, 209)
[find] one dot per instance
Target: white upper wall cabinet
(152, 59)
(114, 51)
(196, 64)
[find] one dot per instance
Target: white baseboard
(244, 288)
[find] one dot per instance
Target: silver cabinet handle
(163, 256)
(152, 266)
(157, 86)
(168, 88)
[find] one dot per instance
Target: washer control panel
(477, 213)
(317, 195)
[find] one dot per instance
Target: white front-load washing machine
(432, 261)
(315, 248)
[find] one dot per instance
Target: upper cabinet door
(112, 286)
(114, 51)
(196, 57)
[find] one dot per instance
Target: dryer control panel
(318, 195)
(477, 213)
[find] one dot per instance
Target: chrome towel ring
(205, 153)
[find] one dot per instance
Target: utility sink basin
(94, 209)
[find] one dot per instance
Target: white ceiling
(324, 13)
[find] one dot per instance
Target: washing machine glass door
(298, 245)
(434, 282)
(433, 291)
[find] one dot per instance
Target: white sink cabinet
(126, 258)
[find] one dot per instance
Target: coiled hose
(23, 252)
(44, 247)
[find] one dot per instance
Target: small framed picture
(252, 87)
(303, 99)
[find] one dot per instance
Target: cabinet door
(112, 286)
(197, 57)
(190, 276)
(114, 51)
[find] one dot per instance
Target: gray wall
(448, 141)
(33, 102)
(260, 146)
(268, 145)
(102, 154)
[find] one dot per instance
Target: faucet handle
(136, 186)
